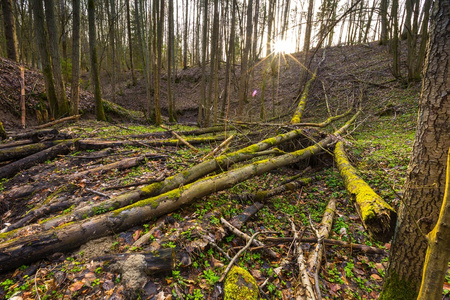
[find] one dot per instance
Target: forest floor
(379, 145)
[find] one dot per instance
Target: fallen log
(219, 163)
(122, 164)
(26, 150)
(23, 250)
(264, 195)
(90, 144)
(359, 247)
(152, 262)
(161, 134)
(36, 158)
(36, 135)
(15, 144)
(76, 117)
(377, 216)
(239, 220)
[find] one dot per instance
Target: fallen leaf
(376, 277)
(76, 286)
(137, 234)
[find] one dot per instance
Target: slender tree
(230, 54)
(243, 85)
(10, 30)
(425, 184)
(99, 111)
(202, 109)
(130, 43)
(384, 22)
(75, 90)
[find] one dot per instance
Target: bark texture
(425, 185)
(438, 252)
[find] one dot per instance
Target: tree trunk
(395, 51)
(212, 64)
(202, 108)
(63, 104)
(99, 112)
(24, 250)
(41, 41)
(438, 252)
(160, 30)
(425, 184)
(230, 55)
(130, 43)
(75, 86)
(112, 33)
(10, 30)
(3, 134)
(384, 22)
(243, 85)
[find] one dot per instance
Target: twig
(207, 239)
(246, 237)
(222, 145)
(316, 259)
(180, 138)
(97, 193)
(250, 241)
(35, 284)
(150, 181)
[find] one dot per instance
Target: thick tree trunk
(438, 252)
(41, 41)
(10, 30)
(377, 216)
(52, 29)
(24, 250)
(425, 184)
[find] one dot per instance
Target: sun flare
(283, 46)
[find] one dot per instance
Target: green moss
(240, 285)
(154, 188)
(395, 288)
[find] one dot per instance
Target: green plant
(210, 277)
(96, 282)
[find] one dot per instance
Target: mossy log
(219, 163)
(16, 144)
(16, 251)
(297, 117)
(377, 216)
(36, 135)
(264, 195)
(166, 134)
(240, 285)
(36, 158)
(26, 150)
(125, 163)
(91, 144)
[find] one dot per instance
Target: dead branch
(221, 146)
(57, 122)
(180, 138)
(247, 237)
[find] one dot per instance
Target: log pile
(165, 195)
